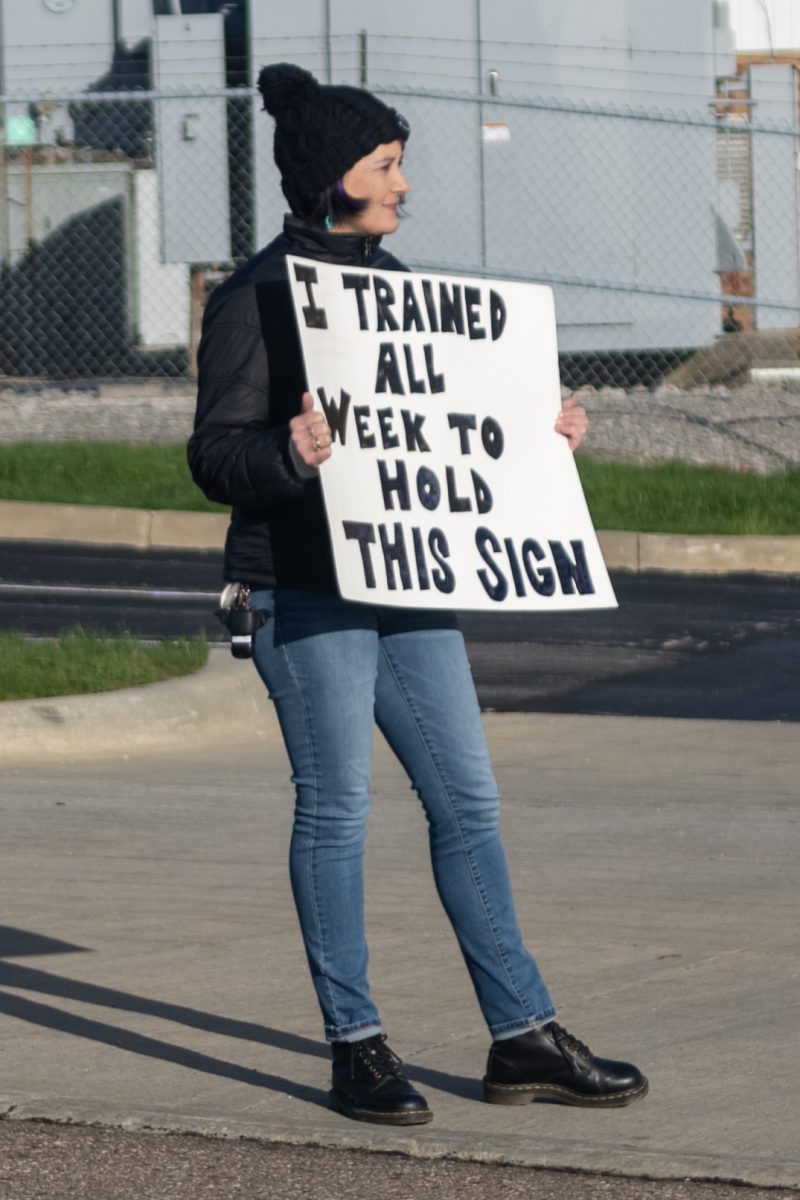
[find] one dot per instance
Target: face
(378, 179)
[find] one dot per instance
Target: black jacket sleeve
(235, 457)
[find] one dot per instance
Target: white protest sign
(448, 486)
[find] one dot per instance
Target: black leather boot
(550, 1064)
(369, 1084)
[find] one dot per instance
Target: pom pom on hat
(321, 130)
(283, 85)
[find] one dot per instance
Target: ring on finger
(315, 442)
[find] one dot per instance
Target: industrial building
(589, 146)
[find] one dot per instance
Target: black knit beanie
(321, 130)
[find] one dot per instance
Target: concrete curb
(225, 700)
(97, 525)
(699, 554)
(561, 1154)
(144, 529)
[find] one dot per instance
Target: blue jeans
(334, 668)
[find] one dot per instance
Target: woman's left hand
(572, 421)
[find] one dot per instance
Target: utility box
(51, 47)
(54, 45)
(192, 139)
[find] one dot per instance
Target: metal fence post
(362, 58)
(481, 148)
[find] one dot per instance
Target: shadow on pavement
(111, 1035)
(18, 943)
(15, 943)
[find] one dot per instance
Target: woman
(334, 668)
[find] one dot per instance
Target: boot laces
(566, 1041)
(378, 1058)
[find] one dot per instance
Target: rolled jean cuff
(500, 1035)
(352, 1035)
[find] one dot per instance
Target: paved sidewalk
(152, 973)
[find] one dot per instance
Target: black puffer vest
(250, 381)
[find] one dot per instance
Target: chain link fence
(671, 240)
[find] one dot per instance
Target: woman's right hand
(310, 433)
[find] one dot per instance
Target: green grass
(123, 474)
(81, 661)
(669, 498)
(678, 498)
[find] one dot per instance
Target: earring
(329, 222)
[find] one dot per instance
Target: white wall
(751, 26)
(775, 197)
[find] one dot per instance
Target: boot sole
(419, 1116)
(526, 1093)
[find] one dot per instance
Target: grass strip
(665, 498)
(122, 474)
(83, 661)
(676, 497)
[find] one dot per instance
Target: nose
(401, 184)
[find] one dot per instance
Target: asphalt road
(717, 647)
(61, 1162)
